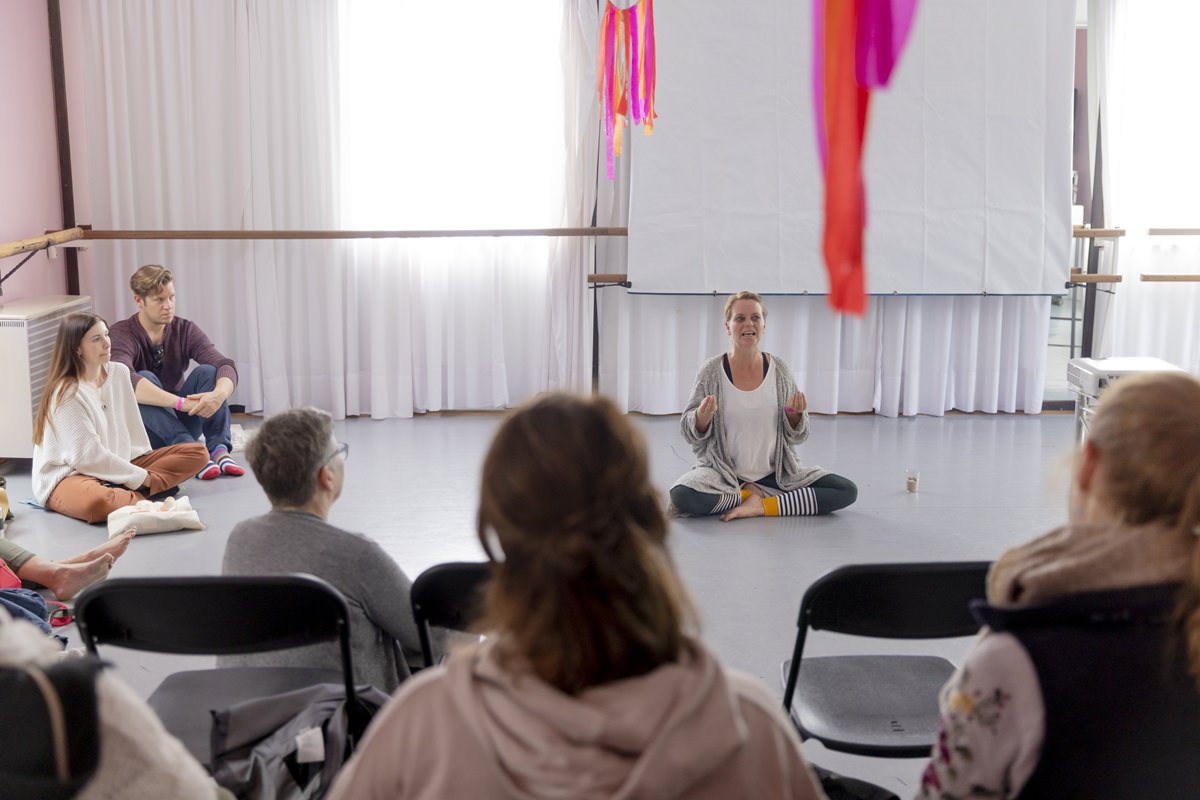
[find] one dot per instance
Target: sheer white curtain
(1148, 59)
(905, 356)
(269, 114)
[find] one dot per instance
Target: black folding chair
(49, 729)
(448, 596)
(879, 705)
(221, 615)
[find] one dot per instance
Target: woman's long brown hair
(66, 365)
(582, 587)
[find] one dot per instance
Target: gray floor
(987, 482)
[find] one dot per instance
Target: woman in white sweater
(91, 453)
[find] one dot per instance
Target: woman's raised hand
(705, 413)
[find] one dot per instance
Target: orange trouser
(91, 500)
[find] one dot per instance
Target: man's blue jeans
(167, 426)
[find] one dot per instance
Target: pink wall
(29, 196)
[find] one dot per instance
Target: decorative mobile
(625, 72)
(856, 46)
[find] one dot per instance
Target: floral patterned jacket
(992, 725)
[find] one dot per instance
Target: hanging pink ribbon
(856, 45)
(625, 73)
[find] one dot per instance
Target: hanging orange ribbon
(625, 73)
(856, 46)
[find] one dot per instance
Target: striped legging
(822, 496)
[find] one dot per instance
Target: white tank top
(751, 424)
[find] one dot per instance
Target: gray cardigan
(713, 473)
(375, 588)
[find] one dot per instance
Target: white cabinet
(27, 331)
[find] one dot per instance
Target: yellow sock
(745, 494)
(771, 506)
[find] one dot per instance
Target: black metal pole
(1093, 266)
(62, 127)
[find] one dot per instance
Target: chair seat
(184, 701)
(870, 705)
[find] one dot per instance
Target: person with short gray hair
(302, 468)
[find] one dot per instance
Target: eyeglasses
(343, 449)
(157, 352)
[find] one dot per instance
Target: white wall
(29, 195)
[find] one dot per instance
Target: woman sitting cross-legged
(589, 684)
(1086, 681)
(744, 421)
(91, 455)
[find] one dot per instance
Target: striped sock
(226, 463)
(796, 503)
(210, 471)
(728, 501)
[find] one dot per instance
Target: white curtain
(359, 114)
(1146, 58)
(905, 356)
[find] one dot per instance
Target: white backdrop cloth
(967, 162)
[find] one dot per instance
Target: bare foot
(751, 507)
(754, 490)
(69, 580)
(114, 547)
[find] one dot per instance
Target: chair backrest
(49, 729)
(890, 601)
(216, 615)
(448, 596)
(897, 601)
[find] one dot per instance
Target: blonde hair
(1147, 430)
(150, 279)
(744, 295)
(66, 365)
(583, 589)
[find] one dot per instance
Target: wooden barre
(607, 277)
(40, 242)
(427, 234)
(1097, 233)
(1162, 277)
(1080, 277)
(1174, 231)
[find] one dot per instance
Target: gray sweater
(713, 473)
(375, 588)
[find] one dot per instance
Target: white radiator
(27, 331)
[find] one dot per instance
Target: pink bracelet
(179, 404)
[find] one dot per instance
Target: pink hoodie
(474, 730)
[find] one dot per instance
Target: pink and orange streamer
(856, 46)
(625, 72)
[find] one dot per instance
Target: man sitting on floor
(158, 346)
(302, 467)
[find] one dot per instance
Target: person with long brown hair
(91, 454)
(1086, 680)
(590, 683)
